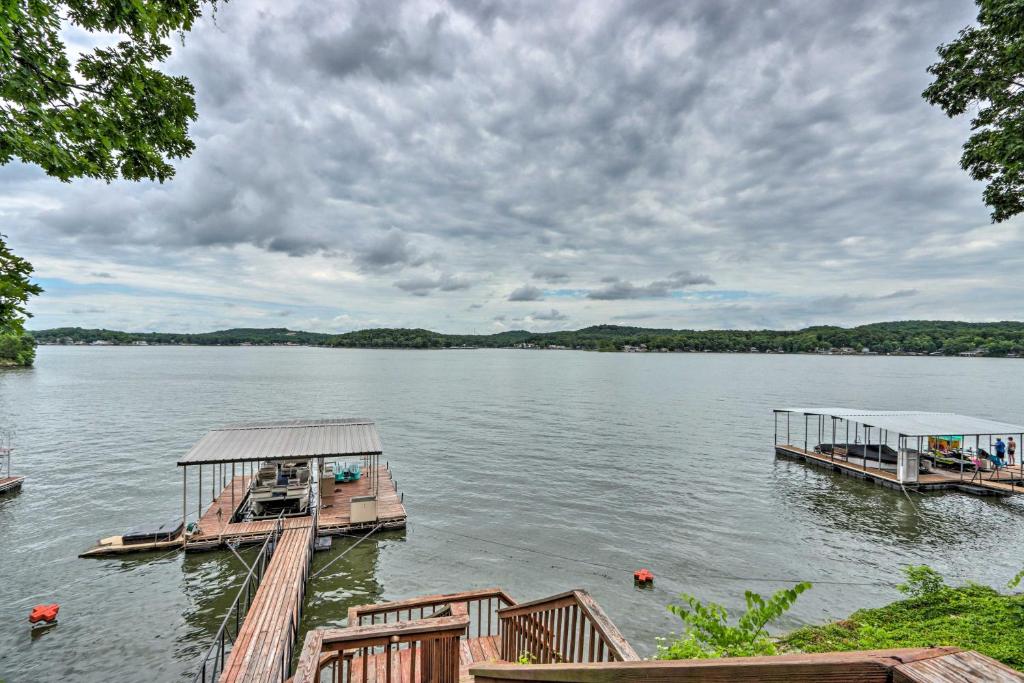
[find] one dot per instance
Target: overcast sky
(481, 166)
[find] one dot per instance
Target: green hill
(914, 336)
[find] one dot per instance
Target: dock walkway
(8, 484)
(1006, 481)
(263, 648)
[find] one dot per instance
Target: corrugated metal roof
(915, 422)
(286, 440)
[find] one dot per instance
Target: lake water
(534, 471)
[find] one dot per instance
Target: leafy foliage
(109, 113)
(708, 633)
(16, 286)
(983, 70)
(922, 581)
(972, 617)
(16, 349)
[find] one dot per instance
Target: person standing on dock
(1000, 452)
(1011, 450)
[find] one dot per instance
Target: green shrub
(922, 581)
(16, 349)
(708, 633)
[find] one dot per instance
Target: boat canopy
(285, 440)
(914, 422)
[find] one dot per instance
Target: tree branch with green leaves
(983, 71)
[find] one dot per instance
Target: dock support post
(184, 495)
(867, 442)
(199, 515)
(832, 451)
(882, 434)
(805, 432)
(790, 440)
(775, 420)
(232, 490)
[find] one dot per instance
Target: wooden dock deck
(1004, 482)
(262, 651)
(216, 529)
(10, 484)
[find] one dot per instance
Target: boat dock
(8, 482)
(274, 483)
(933, 451)
(229, 457)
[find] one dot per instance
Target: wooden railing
(421, 650)
(918, 665)
(569, 627)
(481, 606)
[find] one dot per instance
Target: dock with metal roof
(227, 459)
(256, 638)
(904, 449)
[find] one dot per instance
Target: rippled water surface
(534, 471)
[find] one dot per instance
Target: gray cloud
(553, 314)
(551, 274)
(526, 293)
(385, 143)
(621, 289)
(898, 294)
(391, 250)
(101, 274)
(422, 285)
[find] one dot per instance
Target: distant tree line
(918, 337)
(255, 336)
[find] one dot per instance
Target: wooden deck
(1007, 481)
(336, 506)
(472, 651)
(264, 643)
(10, 484)
(216, 529)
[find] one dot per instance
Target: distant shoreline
(901, 338)
(514, 348)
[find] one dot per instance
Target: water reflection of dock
(825, 442)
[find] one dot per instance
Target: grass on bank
(972, 617)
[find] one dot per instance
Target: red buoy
(45, 614)
(643, 576)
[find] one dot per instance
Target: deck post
(805, 432)
(184, 495)
(790, 440)
(775, 420)
(232, 489)
(867, 442)
(832, 451)
(199, 515)
(882, 434)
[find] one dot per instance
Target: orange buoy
(643, 576)
(44, 614)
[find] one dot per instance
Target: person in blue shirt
(1000, 452)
